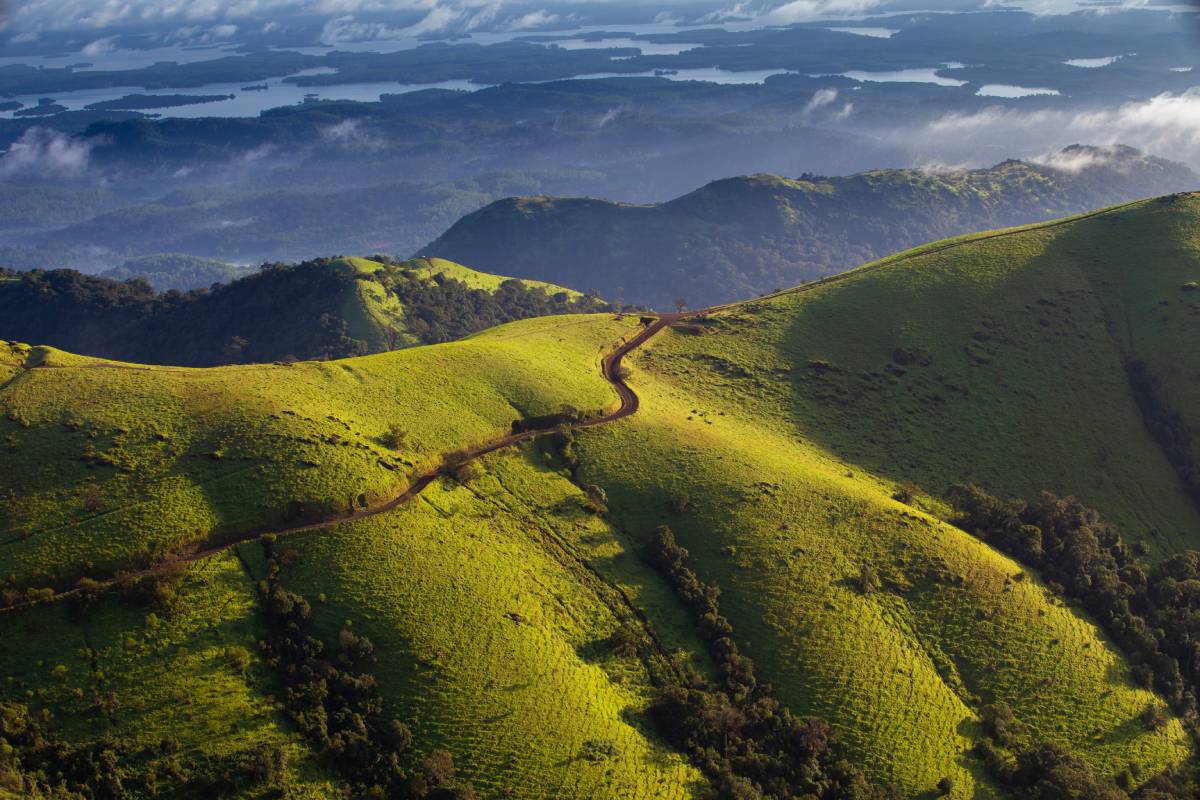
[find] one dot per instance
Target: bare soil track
(611, 370)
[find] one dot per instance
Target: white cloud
(100, 46)
(31, 16)
(534, 20)
(46, 152)
(350, 134)
(1078, 159)
(1167, 125)
(820, 99)
(790, 12)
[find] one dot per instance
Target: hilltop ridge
(744, 236)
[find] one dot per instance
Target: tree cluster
(37, 763)
(745, 739)
(334, 699)
(1152, 612)
(442, 309)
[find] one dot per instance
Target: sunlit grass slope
(494, 635)
(144, 677)
(784, 427)
(376, 316)
(106, 465)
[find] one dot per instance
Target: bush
(395, 437)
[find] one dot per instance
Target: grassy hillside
(322, 309)
(786, 424)
(513, 619)
(109, 464)
(740, 237)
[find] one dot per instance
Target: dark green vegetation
(739, 733)
(812, 624)
(321, 309)
(1150, 611)
(165, 271)
(744, 236)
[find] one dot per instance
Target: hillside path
(610, 367)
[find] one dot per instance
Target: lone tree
(680, 304)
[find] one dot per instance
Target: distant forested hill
(165, 271)
(740, 237)
(320, 309)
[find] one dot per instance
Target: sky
(29, 19)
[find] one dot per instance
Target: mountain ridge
(744, 236)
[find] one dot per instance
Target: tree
(680, 304)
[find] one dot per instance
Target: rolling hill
(326, 308)
(741, 237)
(526, 611)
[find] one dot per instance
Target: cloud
(100, 46)
(534, 20)
(1078, 159)
(350, 134)
(348, 29)
(46, 152)
(1167, 125)
(434, 16)
(820, 99)
(790, 12)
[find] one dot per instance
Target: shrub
(679, 503)
(395, 437)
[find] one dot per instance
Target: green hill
(798, 446)
(327, 308)
(740, 237)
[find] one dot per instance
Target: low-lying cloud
(1167, 125)
(351, 134)
(44, 152)
(34, 16)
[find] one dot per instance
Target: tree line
(1151, 612)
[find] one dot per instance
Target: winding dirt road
(610, 367)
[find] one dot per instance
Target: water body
(923, 75)
(874, 33)
(121, 59)
(1181, 69)
(646, 48)
(1092, 63)
(1010, 91)
(247, 103)
(278, 93)
(705, 74)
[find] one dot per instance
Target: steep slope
(772, 435)
(512, 619)
(492, 636)
(327, 308)
(741, 237)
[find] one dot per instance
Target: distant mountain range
(743, 236)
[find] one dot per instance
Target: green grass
(475, 279)
(788, 432)
(178, 453)
(371, 312)
(787, 423)
(139, 676)
(492, 633)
